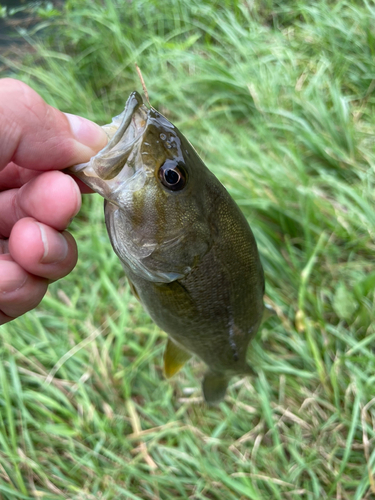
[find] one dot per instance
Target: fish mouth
(114, 165)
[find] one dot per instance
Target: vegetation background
(278, 97)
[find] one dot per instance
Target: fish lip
(132, 104)
(111, 160)
(106, 171)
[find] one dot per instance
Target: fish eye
(173, 175)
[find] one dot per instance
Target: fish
(186, 248)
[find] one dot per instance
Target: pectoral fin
(134, 290)
(214, 387)
(174, 358)
(268, 312)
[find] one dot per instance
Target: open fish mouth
(115, 164)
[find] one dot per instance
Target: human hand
(37, 201)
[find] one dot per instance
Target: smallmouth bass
(185, 246)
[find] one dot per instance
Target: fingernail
(55, 246)
(12, 276)
(87, 132)
(77, 194)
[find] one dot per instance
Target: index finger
(37, 136)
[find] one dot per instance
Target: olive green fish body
(215, 309)
(185, 246)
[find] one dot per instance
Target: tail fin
(249, 370)
(214, 387)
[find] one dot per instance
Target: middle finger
(41, 250)
(52, 198)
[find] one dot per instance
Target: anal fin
(174, 358)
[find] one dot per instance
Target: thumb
(37, 136)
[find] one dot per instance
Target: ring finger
(19, 290)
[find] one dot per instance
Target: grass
(278, 98)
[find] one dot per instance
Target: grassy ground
(278, 97)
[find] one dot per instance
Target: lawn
(278, 97)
